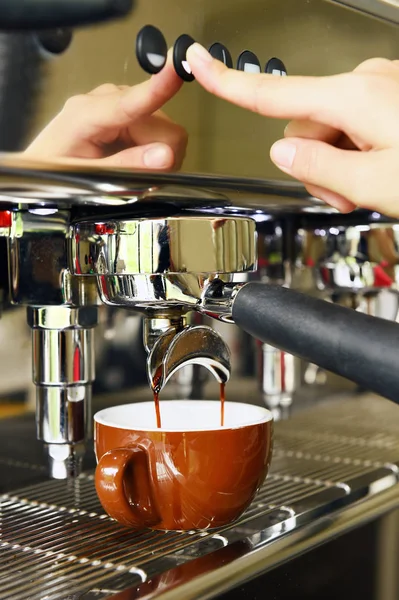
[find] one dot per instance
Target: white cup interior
(183, 415)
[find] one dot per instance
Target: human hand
(343, 142)
(117, 126)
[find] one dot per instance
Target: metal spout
(195, 345)
(65, 460)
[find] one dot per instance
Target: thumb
(154, 156)
(151, 156)
(351, 174)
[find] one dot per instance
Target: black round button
(275, 66)
(151, 49)
(55, 41)
(180, 63)
(248, 62)
(221, 53)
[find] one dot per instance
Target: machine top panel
(307, 37)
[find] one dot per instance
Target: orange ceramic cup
(190, 474)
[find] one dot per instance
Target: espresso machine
(227, 244)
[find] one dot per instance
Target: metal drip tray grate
(56, 543)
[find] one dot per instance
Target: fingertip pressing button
(151, 49)
(248, 62)
(275, 66)
(220, 52)
(182, 68)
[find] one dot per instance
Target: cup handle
(127, 500)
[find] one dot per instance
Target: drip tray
(57, 543)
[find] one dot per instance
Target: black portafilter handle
(17, 15)
(356, 346)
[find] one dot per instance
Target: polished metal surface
(163, 264)
(41, 186)
(226, 143)
(345, 275)
(218, 298)
(190, 380)
(38, 262)
(63, 373)
(170, 246)
(38, 184)
(336, 258)
(63, 413)
(162, 294)
(62, 318)
(386, 10)
(194, 345)
(62, 311)
(352, 264)
(65, 459)
(154, 327)
(63, 357)
(279, 379)
(38, 258)
(329, 463)
(240, 181)
(278, 372)
(325, 259)
(161, 267)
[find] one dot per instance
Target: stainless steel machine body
(170, 246)
(162, 267)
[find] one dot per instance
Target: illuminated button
(275, 66)
(248, 62)
(151, 49)
(180, 63)
(221, 53)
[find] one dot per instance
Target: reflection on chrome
(199, 246)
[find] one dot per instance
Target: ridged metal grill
(57, 544)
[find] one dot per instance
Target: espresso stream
(222, 397)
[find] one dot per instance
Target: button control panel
(151, 52)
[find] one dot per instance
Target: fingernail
(283, 153)
(200, 52)
(156, 157)
(336, 201)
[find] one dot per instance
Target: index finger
(269, 95)
(151, 95)
(121, 108)
(339, 101)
